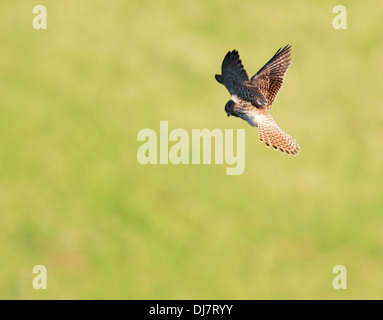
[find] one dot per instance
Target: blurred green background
(74, 198)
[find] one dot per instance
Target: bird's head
(229, 108)
(218, 77)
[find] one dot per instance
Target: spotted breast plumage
(251, 99)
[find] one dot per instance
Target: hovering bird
(251, 99)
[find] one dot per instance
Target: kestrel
(252, 99)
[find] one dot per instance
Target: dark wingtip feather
(284, 49)
(232, 55)
(232, 66)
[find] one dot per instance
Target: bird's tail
(271, 134)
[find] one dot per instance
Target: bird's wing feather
(237, 81)
(232, 68)
(248, 92)
(269, 79)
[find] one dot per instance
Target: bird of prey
(251, 99)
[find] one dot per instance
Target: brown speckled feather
(271, 134)
(269, 78)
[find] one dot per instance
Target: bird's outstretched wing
(234, 77)
(232, 68)
(269, 79)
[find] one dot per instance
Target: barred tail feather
(271, 134)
